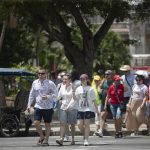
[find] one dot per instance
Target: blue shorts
(69, 117)
(85, 115)
(116, 111)
(46, 114)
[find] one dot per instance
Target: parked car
(13, 118)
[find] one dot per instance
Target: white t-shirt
(139, 91)
(85, 96)
(67, 101)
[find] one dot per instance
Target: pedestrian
(68, 109)
(128, 80)
(86, 98)
(95, 84)
(137, 106)
(103, 87)
(148, 107)
(115, 97)
(43, 92)
(59, 86)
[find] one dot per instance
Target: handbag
(28, 121)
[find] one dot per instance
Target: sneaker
(59, 141)
(66, 138)
(134, 134)
(117, 135)
(94, 134)
(40, 141)
(86, 143)
(99, 133)
(120, 134)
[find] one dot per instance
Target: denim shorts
(45, 114)
(85, 115)
(69, 117)
(116, 111)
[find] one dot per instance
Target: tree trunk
(2, 34)
(82, 61)
(2, 95)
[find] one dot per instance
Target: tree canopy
(57, 19)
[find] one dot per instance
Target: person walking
(115, 97)
(128, 80)
(68, 109)
(86, 98)
(103, 87)
(43, 92)
(95, 84)
(137, 106)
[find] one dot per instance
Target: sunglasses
(41, 73)
(107, 74)
(82, 79)
(138, 80)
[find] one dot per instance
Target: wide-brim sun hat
(125, 68)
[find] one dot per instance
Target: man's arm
(31, 98)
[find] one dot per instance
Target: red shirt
(111, 92)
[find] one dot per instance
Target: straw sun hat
(125, 68)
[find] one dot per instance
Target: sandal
(45, 144)
(40, 141)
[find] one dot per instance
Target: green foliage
(112, 53)
(68, 22)
(17, 47)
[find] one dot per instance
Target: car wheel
(9, 126)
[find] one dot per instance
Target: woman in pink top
(115, 97)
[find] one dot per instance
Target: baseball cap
(108, 72)
(84, 76)
(96, 77)
(117, 77)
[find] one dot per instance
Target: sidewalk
(109, 129)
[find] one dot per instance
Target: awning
(15, 71)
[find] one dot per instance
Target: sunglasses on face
(41, 73)
(107, 74)
(82, 79)
(138, 80)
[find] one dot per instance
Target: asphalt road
(105, 143)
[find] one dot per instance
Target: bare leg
(119, 124)
(62, 130)
(39, 129)
(97, 122)
(47, 131)
(72, 131)
(87, 128)
(66, 133)
(103, 115)
(81, 126)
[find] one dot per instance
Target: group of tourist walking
(79, 100)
